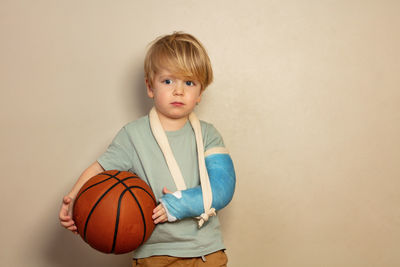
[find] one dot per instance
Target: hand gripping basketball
(189, 203)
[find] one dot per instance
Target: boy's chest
(153, 167)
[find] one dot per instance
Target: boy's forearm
(91, 171)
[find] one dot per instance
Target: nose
(179, 89)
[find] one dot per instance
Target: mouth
(177, 104)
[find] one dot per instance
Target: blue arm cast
(189, 203)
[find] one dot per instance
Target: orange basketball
(113, 210)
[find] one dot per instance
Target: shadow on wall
(64, 249)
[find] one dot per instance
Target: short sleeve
(119, 154)
(212, 138)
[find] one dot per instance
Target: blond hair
(180, 53)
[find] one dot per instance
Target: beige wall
(306, 96)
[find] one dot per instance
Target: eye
(190, 83)
(167, 81)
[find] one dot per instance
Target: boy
(166, 149)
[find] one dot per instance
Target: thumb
(166, 191)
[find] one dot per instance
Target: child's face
(174, 97)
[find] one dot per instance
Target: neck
(170, 124)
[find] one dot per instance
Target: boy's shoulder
(204, 123)
(207, 127)
(211, 136)
(142, 121)
(141, 124)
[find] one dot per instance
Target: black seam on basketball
(123, 180)
(147, 192)
(93, 185)
(101, 197)
(135, 176)
(118, 215)
(117, 221)
(103, 173)
(141, 212)
(95, 205)
(140, 208)
(150, 194)
(110, 177)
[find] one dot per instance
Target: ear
(199, 97)
(150, 91)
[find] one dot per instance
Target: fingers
(66, 221)
(64, 211)
(65, 216)
(69, 224)
(166, 191)
(158, 209)
(73, 229)
(159, 214)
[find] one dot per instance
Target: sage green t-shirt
(135, 149)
